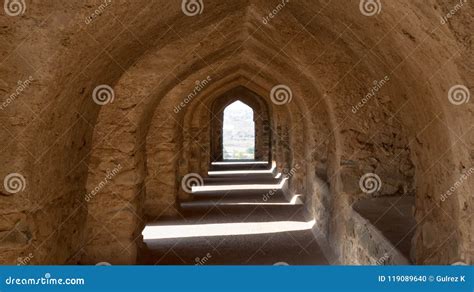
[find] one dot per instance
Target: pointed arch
(261, 119)
(238, 132)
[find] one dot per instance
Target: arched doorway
(238, 132)
(255, 110)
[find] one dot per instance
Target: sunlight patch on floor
(242, 172)
(279, 186)
(223, 229)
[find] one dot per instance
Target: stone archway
(411, 133)
(238, 137)
(261, 119)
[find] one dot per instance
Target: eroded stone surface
(151, 54)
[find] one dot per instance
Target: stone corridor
(112, 125)
(243, 214)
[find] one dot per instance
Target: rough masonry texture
(369, 94)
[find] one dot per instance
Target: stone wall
(64, 143)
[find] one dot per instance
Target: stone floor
(235, 227)
(292, 247)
